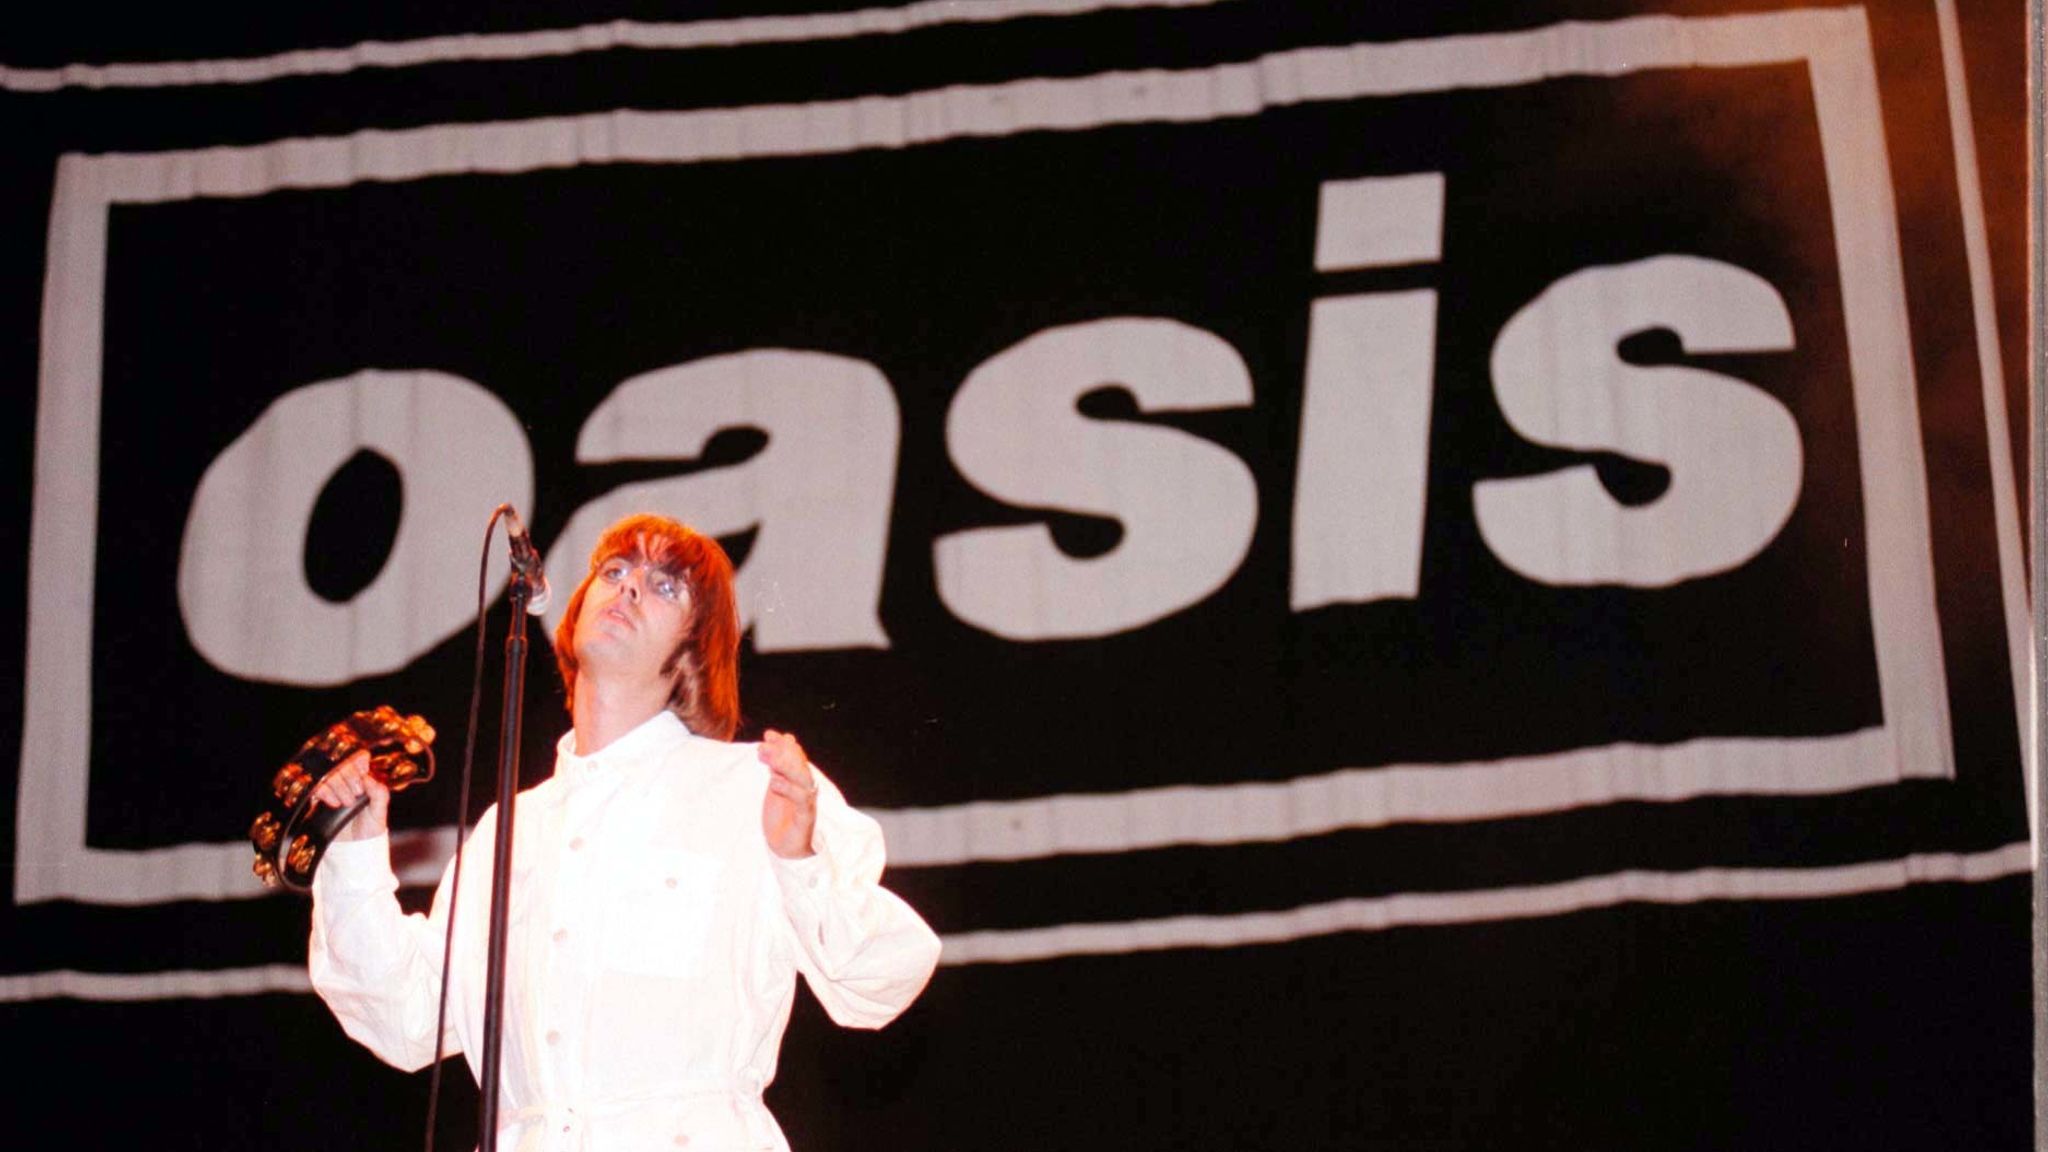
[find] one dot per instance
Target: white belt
(567, 1124)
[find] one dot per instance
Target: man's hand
(349, 781)
(790, 810)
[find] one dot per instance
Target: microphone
(526, 565)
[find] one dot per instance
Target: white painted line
(1368, 914)
(2012, 563)
(499, 46)
(1436, 909)
(1355, 798)
(122, 987)
(1263, 812)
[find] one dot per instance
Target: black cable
(476, 693)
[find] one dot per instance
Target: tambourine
(291, 838)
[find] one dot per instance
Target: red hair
(705, 694)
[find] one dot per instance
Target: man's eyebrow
(637, 557)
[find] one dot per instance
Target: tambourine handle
(325, 823)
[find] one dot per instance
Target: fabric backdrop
(1395, 578)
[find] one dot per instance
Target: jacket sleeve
(377, 967)
(865, 953)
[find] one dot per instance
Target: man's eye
(613, 571)
(668, 588)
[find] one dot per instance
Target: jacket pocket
(661, 913)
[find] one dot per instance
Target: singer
(668, 888)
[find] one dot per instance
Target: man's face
(633, 616)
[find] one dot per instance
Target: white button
(554, 1037)
(561, 934)
(576, 845)
(669, 883)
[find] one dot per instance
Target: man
(667, 888)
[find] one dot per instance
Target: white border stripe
(1446, 908)
(1355, 798)
(1373, 914)
(67, 984)
(1180, 815)
(2012, 565)
(500, 46)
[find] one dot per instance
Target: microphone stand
(501, 863)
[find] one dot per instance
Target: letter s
(1733, 450)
